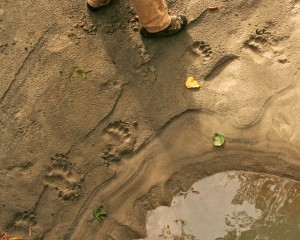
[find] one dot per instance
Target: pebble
(282, 59)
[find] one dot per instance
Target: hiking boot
(177, 24)
(92, 9)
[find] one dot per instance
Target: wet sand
(131, 136)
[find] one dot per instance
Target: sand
(131, 135)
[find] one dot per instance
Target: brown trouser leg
(153, 14)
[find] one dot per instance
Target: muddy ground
(131, 135)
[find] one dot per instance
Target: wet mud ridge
(126, 134)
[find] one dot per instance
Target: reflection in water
(231, 206)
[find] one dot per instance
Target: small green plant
(100, 213)
(80, 72)
(218, 140)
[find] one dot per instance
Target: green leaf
(100, 213)
(218, 140)
(80, 72)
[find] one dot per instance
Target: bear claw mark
(118, 140)
(61, 177)
(262, 37)
(25, 219)
(24, 223)
(200, 48)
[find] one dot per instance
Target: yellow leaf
(191, 82)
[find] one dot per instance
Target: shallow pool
(231, 206)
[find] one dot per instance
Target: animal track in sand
(265, 45)
(119, 140)
(115, 23)
(257, 41)
(201, 48)
(86, 25)
(25, 222)
(57, 43)
(62, 178)
(3, 47)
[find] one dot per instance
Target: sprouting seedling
(80, 72)
(218, 140)
(100, 213)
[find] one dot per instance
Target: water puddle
(231, 206)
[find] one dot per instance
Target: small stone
(282, 59)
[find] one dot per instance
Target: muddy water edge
(231, 206)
